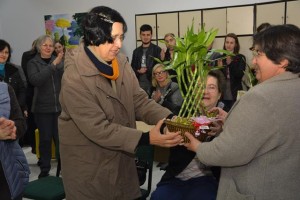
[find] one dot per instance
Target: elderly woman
(44, 73)
(186, 178)
(101, 100)
(259, 146)
(165, 92)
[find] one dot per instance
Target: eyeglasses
(121, 38)
(159, 73)
(256, 53)
(47, 46)
(211, 88)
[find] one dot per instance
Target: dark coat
(179, 159)
(236, 71)
(13, 78)
(97, 129)
(16, 113)
(46, 79)
(153, 51)
(26, 57)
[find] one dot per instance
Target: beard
(146, 42)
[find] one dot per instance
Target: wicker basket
(175, 126)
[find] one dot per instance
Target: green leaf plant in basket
(191, 61)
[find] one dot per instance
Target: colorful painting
(64, 28)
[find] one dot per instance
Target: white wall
(23, 21)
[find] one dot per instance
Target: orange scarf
(115, 68)
(110, 72)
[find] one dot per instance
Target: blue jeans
(200, 188)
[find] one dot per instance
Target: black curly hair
(97, 25)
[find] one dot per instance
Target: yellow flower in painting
(62, 23)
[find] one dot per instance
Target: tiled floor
(32, 161)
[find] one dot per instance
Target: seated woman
(186, 178)
(165, 92)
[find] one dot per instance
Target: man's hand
(193, 144)
(170, 139)
(142, 70)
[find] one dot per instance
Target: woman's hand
(156, 95)
(228, 60)
(163, 54)
(58, 59)
(7, 129)
(193, 144)
(220, 63)
(221, 114)
(169, 139)
(216, 128)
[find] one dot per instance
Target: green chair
(47, 188)
(146, 154)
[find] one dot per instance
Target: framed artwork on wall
(65, 28)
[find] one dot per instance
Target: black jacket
(236, 71)
(153, 51)
(13, 78)
(46, 79)
(179, 159)
(16, 114)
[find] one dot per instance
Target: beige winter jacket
(97, 129)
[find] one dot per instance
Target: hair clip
(104, 18)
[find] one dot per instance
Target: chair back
(47, 188)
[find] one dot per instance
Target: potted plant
(191, 61)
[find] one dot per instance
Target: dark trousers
(47, 123)
(31, 126)
(200, 188)
(29, 136)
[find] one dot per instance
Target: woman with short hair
(259, 146)
(45, 72)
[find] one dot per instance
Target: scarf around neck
(110, 72)
(2, 70)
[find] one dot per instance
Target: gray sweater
(260, 145)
